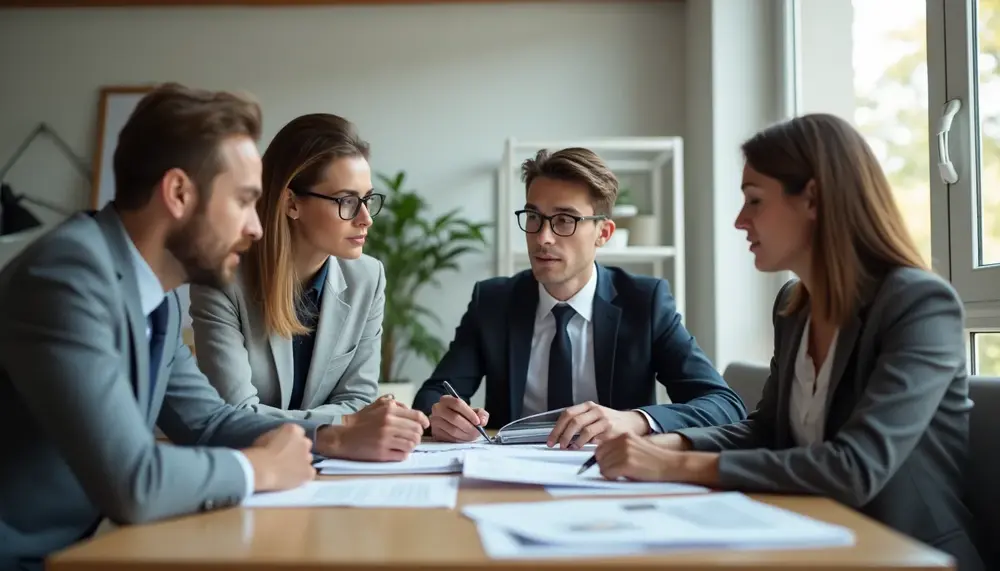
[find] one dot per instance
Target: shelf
(630, 254)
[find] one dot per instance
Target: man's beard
(202, 255)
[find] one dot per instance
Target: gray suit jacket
(897, 423)
(76, 419)
(252, 368)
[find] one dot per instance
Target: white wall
(827, 52)
(436, 89)
(734, 88)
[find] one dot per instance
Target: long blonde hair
(860, 234)
(294, 160)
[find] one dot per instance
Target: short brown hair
(860, 233)
(579, 165)
(175, 126)
(295, 159)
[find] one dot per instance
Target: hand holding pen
(453, 420)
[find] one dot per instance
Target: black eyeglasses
(350, 205)
(562, 224)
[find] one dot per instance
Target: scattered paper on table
(445, 462)
(396, 492)
(709, 521)
(576, 491)
(512, 469)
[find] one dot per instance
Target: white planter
(624, 210)
(618, 240)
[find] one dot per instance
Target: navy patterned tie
(561, 361)
(157, 334)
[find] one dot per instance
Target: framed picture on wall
(114, 108)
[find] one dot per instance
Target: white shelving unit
(657, 157)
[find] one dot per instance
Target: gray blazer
(898, 416)
(76, 414)
(253, 369)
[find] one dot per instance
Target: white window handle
(945, 168)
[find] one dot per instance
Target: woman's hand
(637, 458)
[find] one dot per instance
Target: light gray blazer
(252, 368)
(896, 436)
(76, 413)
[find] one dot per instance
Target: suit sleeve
(757, 430)
(222, 353)
(922, 347)
(59, 347)
(358, 386)
(699, 396)
(462, 365)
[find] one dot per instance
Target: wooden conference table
(401, 539)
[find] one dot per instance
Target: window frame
(955, 209)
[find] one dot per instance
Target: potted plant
(624, 205)
(415, 249)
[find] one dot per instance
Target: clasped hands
(384, 431)
(453, 420)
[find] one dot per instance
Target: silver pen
(481, 430)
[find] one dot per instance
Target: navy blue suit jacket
(638, 340)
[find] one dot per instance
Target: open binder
(534, 429)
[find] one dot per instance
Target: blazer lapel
(332, 314)
(606, 319)
(524, 301)
(114, 234)
(794, 330)
(284, 366)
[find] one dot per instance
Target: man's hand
(591, 422)
(452, 420)
(281, 459)
(671, 441)
(384, 431)
(636, 458)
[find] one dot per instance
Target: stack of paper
(432, 492)
(445, 462)
(620, 527)
(481, 465)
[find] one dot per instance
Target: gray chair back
(984, 469)
(747, 380)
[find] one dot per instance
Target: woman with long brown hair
(298, 333)
(867, 398)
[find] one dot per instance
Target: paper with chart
(445, 462)
(395, 492)
(482, 465)
(715, 521)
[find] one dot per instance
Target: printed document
(396, 492)
(445, 462)
(727, 520)
(481, 465)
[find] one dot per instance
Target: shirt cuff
(247, 473)
(654, 426)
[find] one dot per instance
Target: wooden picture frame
(113, 110)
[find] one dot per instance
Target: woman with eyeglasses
(298, 332)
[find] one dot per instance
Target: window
(986, 354)
(965, 47)
(908, 60)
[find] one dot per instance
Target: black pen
(586, 465)
(481, 430)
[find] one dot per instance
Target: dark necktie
(561, 361)
(157, 333)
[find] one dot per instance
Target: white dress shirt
(151, 295)
(581, 334)
(807, 404)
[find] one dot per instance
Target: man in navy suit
(573, 333)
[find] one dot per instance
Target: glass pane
(890, 94)
(988, 63)
(987, 357)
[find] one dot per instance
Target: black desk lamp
(14, 217)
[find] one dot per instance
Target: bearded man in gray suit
(91, 357)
